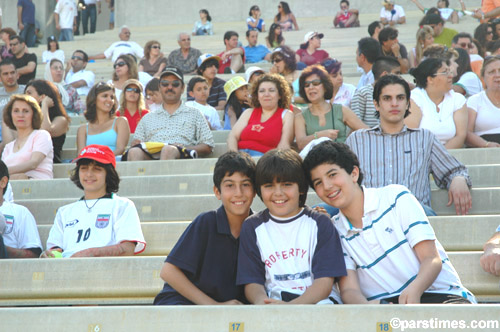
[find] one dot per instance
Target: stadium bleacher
(169, 194)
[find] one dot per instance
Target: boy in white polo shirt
(390, 249)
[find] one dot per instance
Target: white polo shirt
(382, 251)
(109, 221)
(21, 231)
(124, 47)
(83, 74)
(387, 14)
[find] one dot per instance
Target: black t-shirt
(23, 61)
(402, 51)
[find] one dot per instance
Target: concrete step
(132, 280)
(187, 207)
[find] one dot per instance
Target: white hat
(251, 70)
(205, 57)
(311, 34)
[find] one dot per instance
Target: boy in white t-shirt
(199, 90)
(20, 237)
(390, 249)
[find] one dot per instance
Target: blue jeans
(252, 153)
(66, 35)
(89, 12)
(28, 34)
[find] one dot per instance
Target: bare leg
(170, 152)
(454, 17)
(352, 21)
(18, 176)
(137, 154)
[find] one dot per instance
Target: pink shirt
(38, 141)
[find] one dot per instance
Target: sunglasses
(75, 57)
(156, 46)
(313, 82)
(167, 83)
(136, 90)
(277, 60)
(466, 45)
(119, 64)
(489, 32)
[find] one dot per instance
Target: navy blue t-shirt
(207, 253)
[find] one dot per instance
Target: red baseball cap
(99, 153)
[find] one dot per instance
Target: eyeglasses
(136, 90)
(75, 57)
(119, 64)
(444, 73)
(313, 82)
(167, 83)
(466, 45)
(156, 46)
(489, 32)
(277, 60)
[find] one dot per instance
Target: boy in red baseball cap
(101, 223)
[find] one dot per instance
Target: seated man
(20, 236)
(253, 52)
(25, 62)
(3, 250)
(390, 46)
(346, 18)
(388, 155)
(208, 66)
(233, 58)
(392, 14)
(76, 75)
(490, 9)
(194, 271)
(185, 57)
(374, 29)
(183, 130)
(442, 35)
(448, 14)
(390, 250)
(124, 46)
(490, 260)
(367, 52)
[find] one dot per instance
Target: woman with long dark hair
(285, 17)
(275, 37)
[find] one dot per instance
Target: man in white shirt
(76, 75)
(366, 54)
(65, 16)
(124, 46)
(392, 14)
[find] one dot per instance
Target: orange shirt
(489, 5)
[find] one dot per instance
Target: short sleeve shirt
(110, 221)
(186, 65)
(311, 59)
(387, 14)
(207, 253)
(187, 126)
(487, 114)
(86, 75)
(124, 47)
(216, 93)
(23, 61)
(287, 255)
(21, 231)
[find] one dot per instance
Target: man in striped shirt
(391, 153)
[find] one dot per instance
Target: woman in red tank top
(269, 124)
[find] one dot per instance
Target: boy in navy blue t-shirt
(201, 268)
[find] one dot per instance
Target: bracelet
(315, 135)
(487, 143)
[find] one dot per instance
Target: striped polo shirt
(382, 251)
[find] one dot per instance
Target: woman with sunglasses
(435, 106)
(125, 68)
(284, 63)
(103, 127)
(309, 52)
(254, 22)
(285, 17)
(269, 124)
(132, 104)
(54, 117)
(484, 34)
(154, 60)
(320, 118)
(275, 37)
(484, 108)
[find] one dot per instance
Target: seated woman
(425, 38)
(269, 124)
(466, 82)
(285, 17)
(285, 64)
(484, 109)
(320, 118)
(275, 37)
(125, 68)
(54, 117)
(54, 72)
(254, 22)
(30, 155)
(238, 100)
(435, 106)
(204, 25)
(103, 127)
(53, 51)
(154, 60)
(342, 92)
(309, 52)
(132, 105)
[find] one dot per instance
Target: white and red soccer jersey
(21, 231)
(110, 221)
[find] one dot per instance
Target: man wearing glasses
(124, 46)
(186, 57)
(25, 62)
(182, 129)
(76, 75)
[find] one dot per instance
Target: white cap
(311, 34)
(250, 71)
